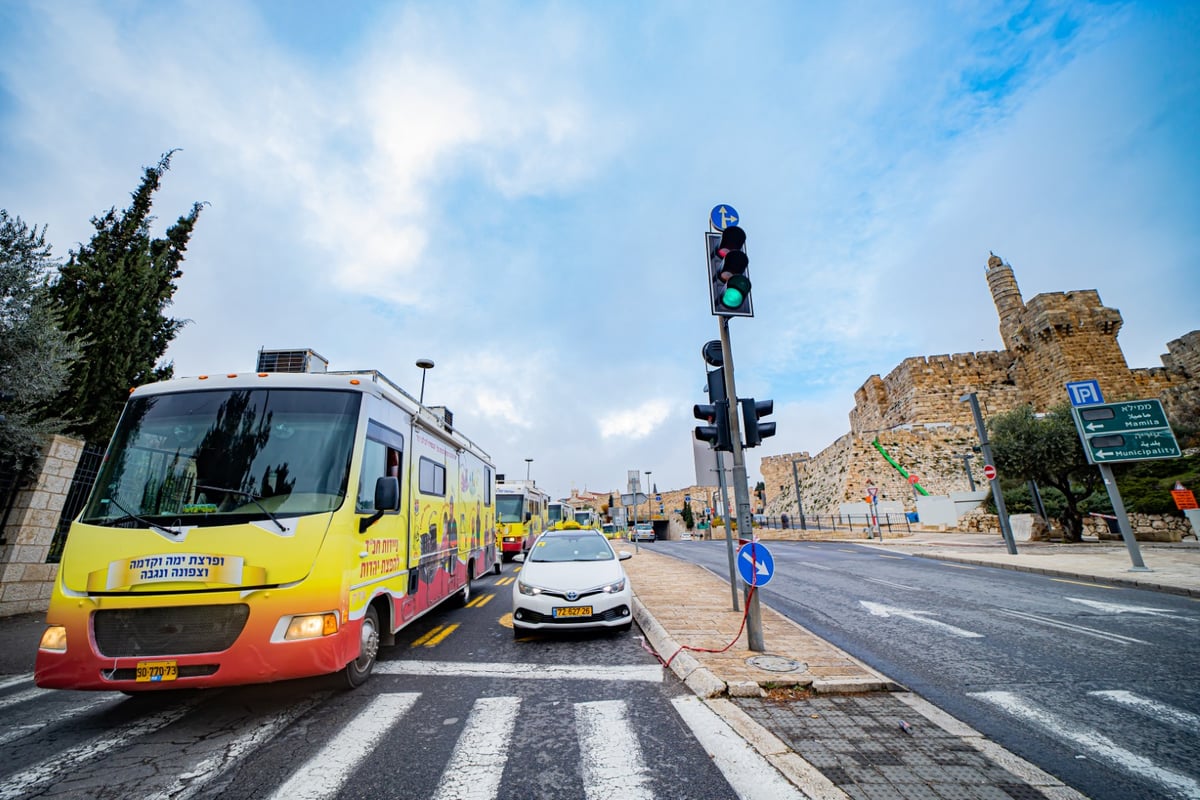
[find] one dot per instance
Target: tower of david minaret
(1058, 337)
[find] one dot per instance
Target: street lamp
(528, 462)
(425, 364)
(799, 506)
(649, 508)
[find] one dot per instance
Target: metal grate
(168, 631)
(81, 486)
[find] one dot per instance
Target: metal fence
(888, 523)
(81, 486)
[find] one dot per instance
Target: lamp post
(528, 462)
(425, 364)
(799, 506)
(986, 449)
(649, 500)
(966, 459)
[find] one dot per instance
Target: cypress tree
(111, 297)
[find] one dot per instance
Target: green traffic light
(736, 291)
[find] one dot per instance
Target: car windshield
(222, 456)
(588, 547)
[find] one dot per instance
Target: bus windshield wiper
(250, 495)
(130, 515)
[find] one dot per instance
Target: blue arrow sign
(755, 564)
(722, 217)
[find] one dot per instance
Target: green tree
(688, 519)
(1047, 450)
(34, 353)
(111, 296)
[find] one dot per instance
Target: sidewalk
(832, 725)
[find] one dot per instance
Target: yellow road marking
(480, 601)
(505, 581)
(1085, 583)
(435, 636)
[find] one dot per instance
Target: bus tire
(358, 670)
(464, 594)
(498, 567)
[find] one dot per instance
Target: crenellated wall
(917, 414)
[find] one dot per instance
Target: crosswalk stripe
(49, 769)
(1152, 708)
(612, 761)
(477, 763)
(196, 778)
(45, 721)
(1093, 741)
(13, 680)
(322, 775)
(751, 776)
(650, 673)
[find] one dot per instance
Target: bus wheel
(358, 670)
(464, 594)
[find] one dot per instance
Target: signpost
(1135, 430)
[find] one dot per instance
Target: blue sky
(519, 191)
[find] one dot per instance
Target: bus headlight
(54, 638)
(312, 626)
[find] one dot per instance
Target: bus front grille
(179, 630)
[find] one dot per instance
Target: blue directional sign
(755, 564)
(722, 217)
(1084, 393)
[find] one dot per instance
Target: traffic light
(715, 413)
(729, 281)
(752, 412)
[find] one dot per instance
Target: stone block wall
(25, 577)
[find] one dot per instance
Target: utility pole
(986, 449)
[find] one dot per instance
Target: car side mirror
(519, 558)
(624, 555)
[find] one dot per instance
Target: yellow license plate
(155, 671)
(573, 611)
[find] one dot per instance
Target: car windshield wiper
(250, 495)
(130, 515)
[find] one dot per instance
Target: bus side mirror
(387, 498)
(387, 494)
(528, 516)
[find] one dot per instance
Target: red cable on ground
(745, 613)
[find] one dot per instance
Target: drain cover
(776, 664)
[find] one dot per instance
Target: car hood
(567, 575)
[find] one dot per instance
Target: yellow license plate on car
(154, 671)
(573, 611)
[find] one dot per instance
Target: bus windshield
(509, 507)
(223, 456)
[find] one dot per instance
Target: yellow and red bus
(522, 513)
(256, 527)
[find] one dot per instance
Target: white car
(571, 579)
(642, 532)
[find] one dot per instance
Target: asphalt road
(1096, 684)
(456, 709)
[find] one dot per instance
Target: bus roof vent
(446, 414)
(291, 361)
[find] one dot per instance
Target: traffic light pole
(730, 550)
(741, 494)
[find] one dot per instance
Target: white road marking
(87, 704)
(322, 775)
(880, 610)
(811, 565)
(750, 775)
(50, 769)
(1118, 608)
(13, 680)
(189, 783)
(612, 760)
(650, 673)
(1152, 708)
(477, 763)
(894, 585)
(1093, 742)
(21, 697)
(1054, 623)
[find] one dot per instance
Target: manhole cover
(776, 664)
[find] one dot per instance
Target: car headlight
(525, 588)
(616, 586)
